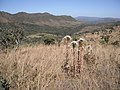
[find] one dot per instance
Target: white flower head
(74, 44)
(81, 42)
(82, 39)
(67, 66)
(67, 39)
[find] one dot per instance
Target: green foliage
(49, 39)
(105, 39)
(30, 29)
(10, 37)
(3, 84)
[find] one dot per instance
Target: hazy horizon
(91, 8)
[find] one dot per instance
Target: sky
(92, 8)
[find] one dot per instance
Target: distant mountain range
(50, 20)
(33, 23)
(96, 19)
(38, 19)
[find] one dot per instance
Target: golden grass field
(38, 67)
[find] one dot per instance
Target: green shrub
(49, 39)
(105, 39)
(3, 84)
(116, 43)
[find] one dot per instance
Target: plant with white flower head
(81, 44)
(74, 44)
(66, 40)
(89, 49)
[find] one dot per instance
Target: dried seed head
(81, 42)
(74, 44)
(89, 48)
(67, 66)
(67, 39)
(81, 39)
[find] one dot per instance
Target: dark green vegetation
(10, 35)
(3, 84)
(49, 39)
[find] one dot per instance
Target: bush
(116, 43)
(49, 39)
(105, 39)
(3, 84)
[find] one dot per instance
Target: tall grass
(39, 68)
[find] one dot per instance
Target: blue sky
(93, 8)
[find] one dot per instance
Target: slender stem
(66, 61)
(67, 53)
(73, 61)
(80, 59)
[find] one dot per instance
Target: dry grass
(39, 68)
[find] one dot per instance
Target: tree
(11, 36)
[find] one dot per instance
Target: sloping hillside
(38, 19)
